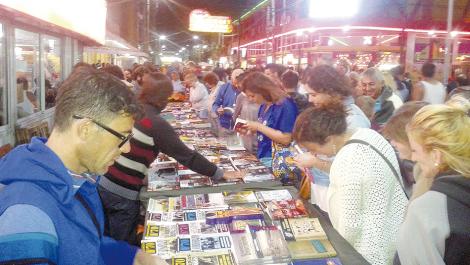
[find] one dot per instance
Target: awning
(114, 44)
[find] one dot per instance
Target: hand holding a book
(252, 126)
(142, 258)
(233, 175)
(305, 160)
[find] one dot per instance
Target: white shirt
(366, 202)
(434, 93)
(198, 96)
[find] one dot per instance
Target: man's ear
(83, 129)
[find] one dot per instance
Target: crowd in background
(387, 159)
(383, 155)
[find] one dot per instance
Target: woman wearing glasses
(120, 186)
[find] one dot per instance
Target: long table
(346, 253)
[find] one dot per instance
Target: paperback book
(285, 209)
(239, 197)
(310, 249)
(272, 195)
(302, 229)
(263, 245)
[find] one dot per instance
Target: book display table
(193, 220)
(213, 227)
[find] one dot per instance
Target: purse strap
(394, 171)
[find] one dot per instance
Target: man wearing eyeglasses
(386, 101)
(50, 210)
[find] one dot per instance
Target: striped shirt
(152, 135)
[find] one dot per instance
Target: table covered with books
(168, 178)
(192, 220)
(243, 227)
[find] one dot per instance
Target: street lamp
(195, 37)
(162, 37)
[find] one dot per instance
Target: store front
(36, 54)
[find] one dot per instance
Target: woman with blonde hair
(436, 229)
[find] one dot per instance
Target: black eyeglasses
(124, 138)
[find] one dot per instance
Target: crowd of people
(389, 160)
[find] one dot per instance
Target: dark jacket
(385, 105)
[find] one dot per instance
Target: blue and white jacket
(49, 216)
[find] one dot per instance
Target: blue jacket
(226, 97)
(57, 228)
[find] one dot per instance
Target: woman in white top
(429, 89)
(366, 200)
(198, 95)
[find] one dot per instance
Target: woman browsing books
(276, 116)
(366, 201)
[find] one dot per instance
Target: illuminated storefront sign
(201, 21)
(86, 17)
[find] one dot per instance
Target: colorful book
(239, 197)
(203, 201)
(302, 229)
(272, 195)
(310, 249)
(160, 231)
(285, 209)
(228, 216)
(217, 259)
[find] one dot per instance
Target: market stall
(191, 219)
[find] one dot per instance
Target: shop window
(28, 87)
(3, 87)
(52, 68)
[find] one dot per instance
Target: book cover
(215, 259)
(263, 245)
(239, 124)
(228, 216)
(203, 181)
(302, 229)
(165, 248)
(184, 260)
(272, 195)
(285, 209)
(309, 249)
(239, 197)
(192, 228)
(160, 231)
(209, 243)
(240, 225)
(157, 205)
(250, 177)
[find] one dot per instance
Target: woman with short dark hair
(366, 202)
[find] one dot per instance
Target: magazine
(271, 195)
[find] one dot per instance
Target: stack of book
(246, 227)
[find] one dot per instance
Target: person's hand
(305, 160)
(220, 110)
(142, 258)
(252, 126)
(233, 175)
